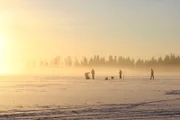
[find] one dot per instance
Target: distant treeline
(111, 61)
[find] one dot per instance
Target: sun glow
(3, 68)
(2, 43)
(8, 57)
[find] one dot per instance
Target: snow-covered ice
(56, 98)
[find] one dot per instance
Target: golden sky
(39, 29)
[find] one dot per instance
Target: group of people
(92, 73)
(120, 75)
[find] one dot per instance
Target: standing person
(93, 73)
(120, 74)
(152, 74)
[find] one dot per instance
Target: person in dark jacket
(87, 75)
(152, 74)
(93, 73)
(120, 74)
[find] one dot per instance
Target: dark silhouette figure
(120, 74)
(106, 78)
(152, 74)
(93, 73)
(112, 77)
(87, 75)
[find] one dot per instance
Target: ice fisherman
(120, 74)
(152, 74)
(93, 73)
(87, 75)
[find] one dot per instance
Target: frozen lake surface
(55, 98)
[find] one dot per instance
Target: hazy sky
(46, 28)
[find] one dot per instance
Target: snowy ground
(56, 98)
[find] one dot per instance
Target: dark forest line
(111, 61)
